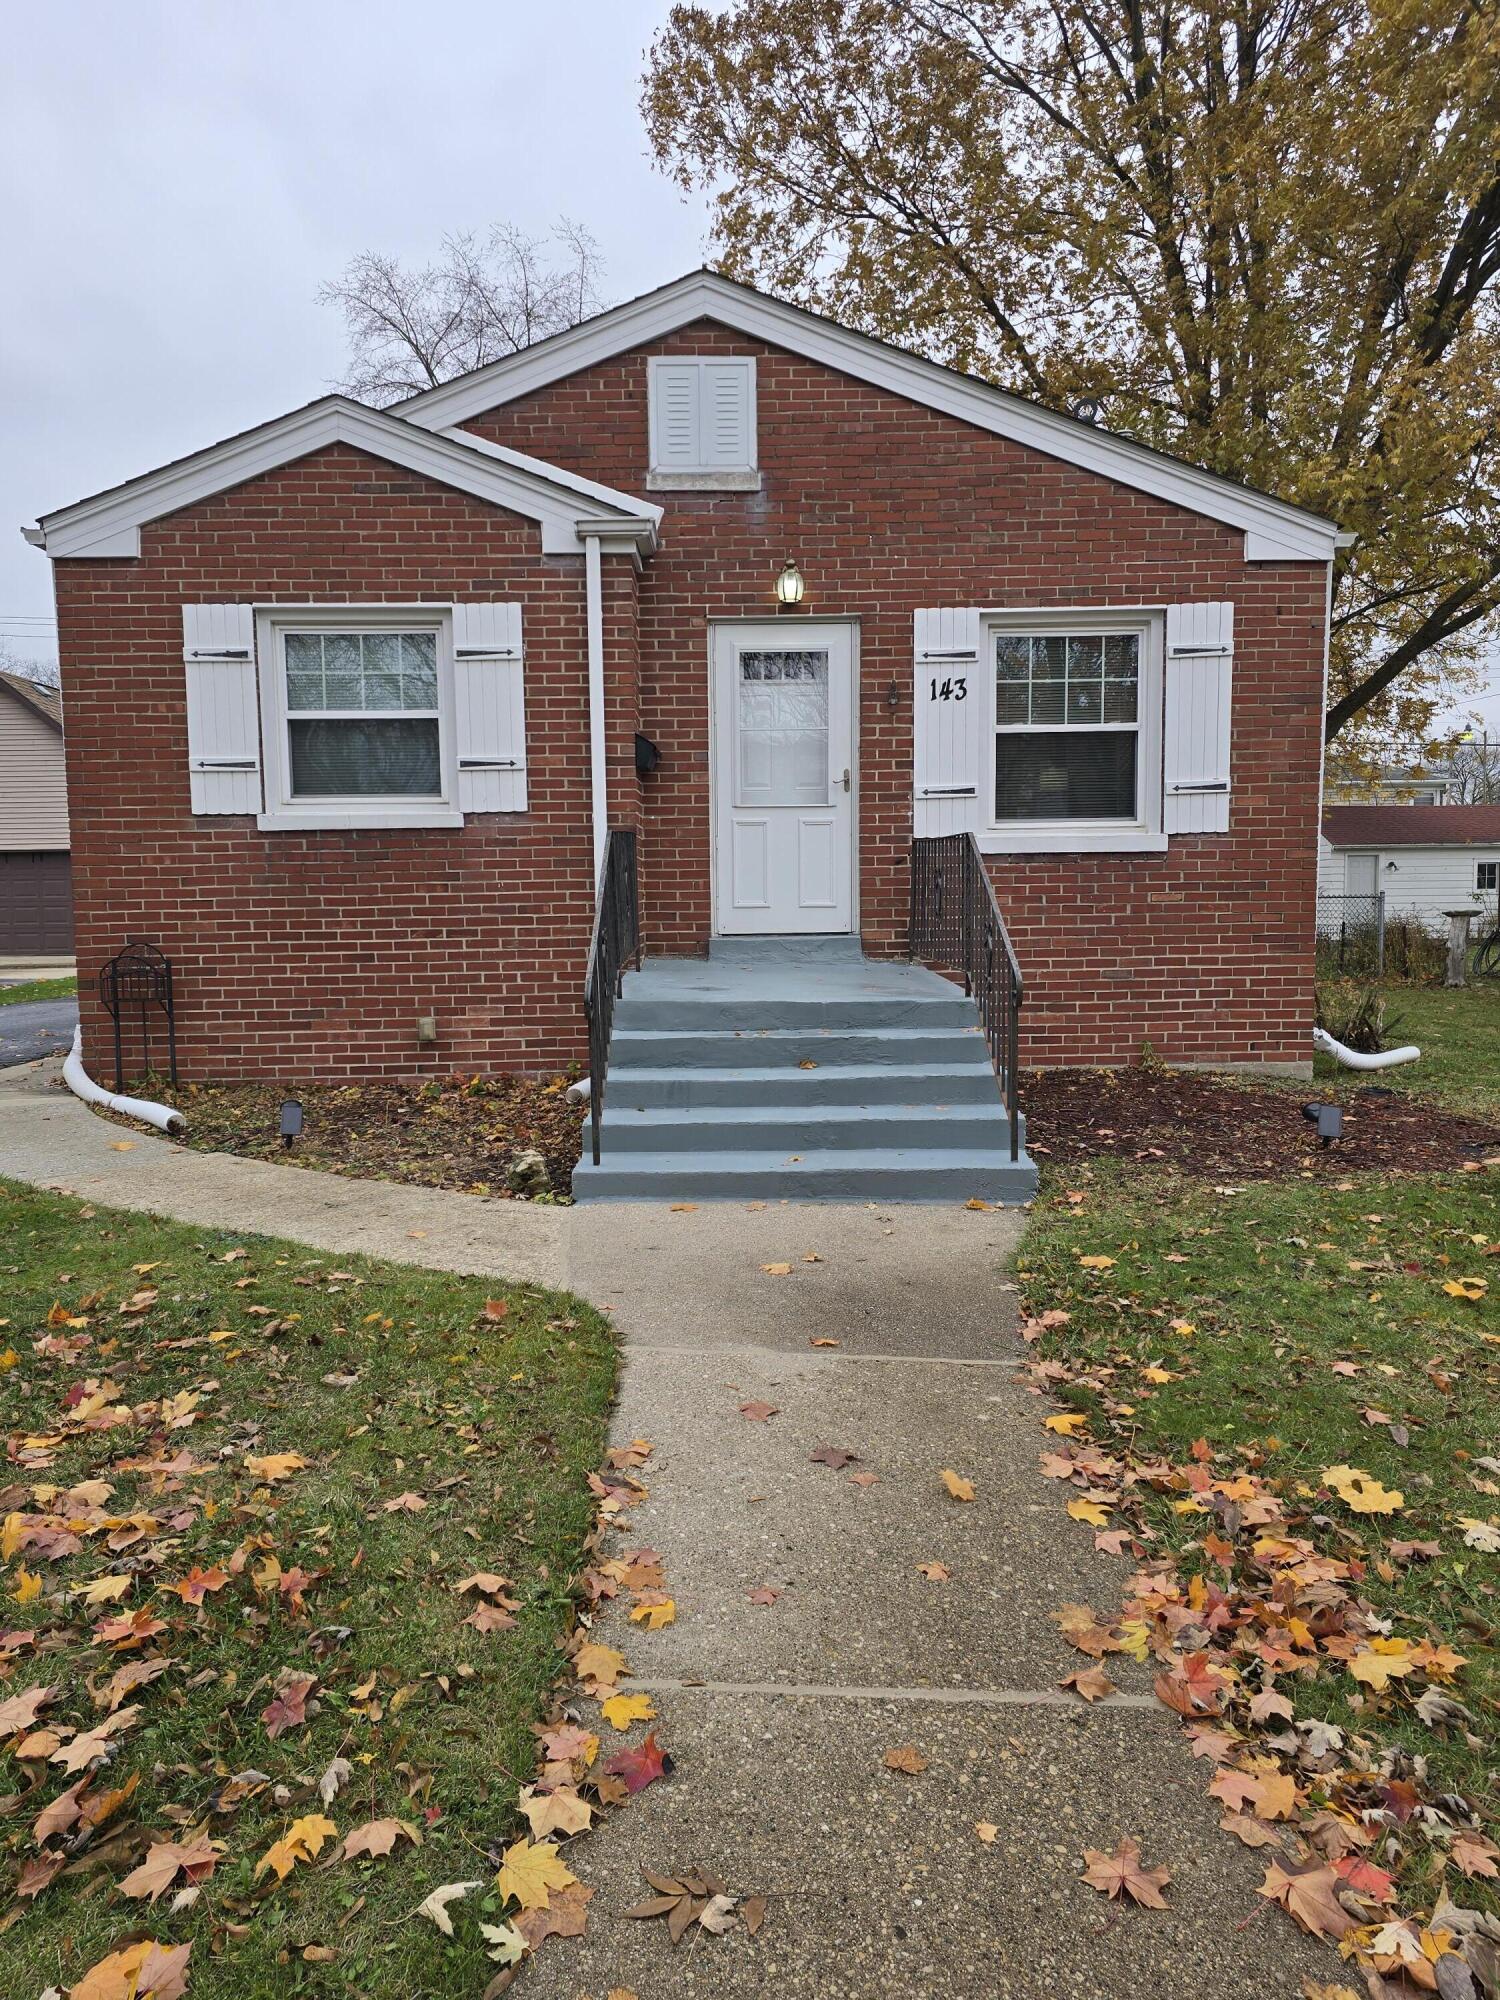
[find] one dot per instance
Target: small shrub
(1355, 1015)
(1414, 953)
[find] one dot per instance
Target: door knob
(846, 777)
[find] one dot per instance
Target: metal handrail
(614, 945)
(956, 923)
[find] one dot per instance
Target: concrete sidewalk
(778, 1717)
(51, 1140)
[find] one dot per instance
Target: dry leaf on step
(1121, 1873)
(961, 1489)
(906, 1757)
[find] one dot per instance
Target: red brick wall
(310, 955)
(1204, 951)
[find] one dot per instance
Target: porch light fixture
(790, 586)
(290, 1122)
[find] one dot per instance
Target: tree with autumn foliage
(1263, 235)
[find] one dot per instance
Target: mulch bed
(460, 1133)
(1219, 1127)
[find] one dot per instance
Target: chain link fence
(1351, 937)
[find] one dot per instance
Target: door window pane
(781, 728)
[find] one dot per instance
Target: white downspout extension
(78, 1080)
(593, 576)
(1352, 1059)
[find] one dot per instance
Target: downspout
(78, 1080)
(593, 576)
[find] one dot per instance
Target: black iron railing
(616, 943)
(956, 923)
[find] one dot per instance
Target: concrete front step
(921, 1174)
(831, 1080)
(735, 1014)
(718, 1128)
(789, 1048)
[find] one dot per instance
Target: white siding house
(36, 897)
(1425, 860)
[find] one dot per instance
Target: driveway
(32, 1028)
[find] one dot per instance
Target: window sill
(330, 821)
(1072, 840)
(746, 481)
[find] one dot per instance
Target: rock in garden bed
(1224, 1127)
(508, 1136)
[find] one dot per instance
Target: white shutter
(675, 416)
(218, 651)
(489, 706)
(1195, 758)
(728, 414)
(951, 774)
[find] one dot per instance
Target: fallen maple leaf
(654, 1614)
(758, 1412)
(601, 1664)
(1090, 1682)
(1475, 1854)
(906, 1757)
(641, 1766)
(403, 1503)
(1361, 1491)
(988, 1832)
(379, 1836)
(777, 1270)
(276, 1466)
(623, 1709)
(1083, 1509)
(935, 1572)
(289, 1708)
(1121, 1871)
(561, 1811)
(1308, 1894)
(566, 1915)
(961, 1489)
(834, 1455)
(763, 1595)
(144, 1971)
(530, 1871)
(1066, 1423)
(302, 1841)
(165, 1858)
(1097, 1263)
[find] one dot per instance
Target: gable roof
(1412, 826)
(1274, 530)
(109, 523)
(45, 702)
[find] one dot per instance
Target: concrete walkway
(31, 1029)
(779, 1716)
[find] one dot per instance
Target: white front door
(783, 778)
(1361, 874)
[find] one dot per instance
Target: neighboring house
(36, 903)
(1392, 785)
(353, 697)
(1425, 860)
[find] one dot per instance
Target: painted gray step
(747, 1013)
(717, 1128)
(927, 1174)
(833, 1081)
(719, 1048)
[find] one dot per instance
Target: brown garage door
(36, 904)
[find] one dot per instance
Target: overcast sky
(179, 179)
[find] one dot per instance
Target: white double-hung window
(357, 718)
(1075, 705)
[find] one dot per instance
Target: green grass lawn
(1459, 1036)
(38, 989)
(408, 1435)
(1306, 1308)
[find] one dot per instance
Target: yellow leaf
(1383, 1661)
(122, 1145)
(623, 1709)
(301, 1842)
(28, 1586)
(143, 1971)
(1158, 1375)
(777, 1270)
(276, 1465)
(654, 1616)
(987, 1832)
(13, 1534)
(1090, 1511)
(961, 1489)
(529, 1871)
(1067, 1423)
(105, 1589)
(10, 1357)
(1097, 1263)
(1361, 1491)
(561, 1811)
(1466, 1288)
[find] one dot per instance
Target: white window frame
(1486, 888)
(283, 812)
(702, 478)
(1143, 833)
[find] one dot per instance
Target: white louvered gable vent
(702, 414)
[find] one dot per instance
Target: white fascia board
(111, 523)
(558, 475)
(1275, 531)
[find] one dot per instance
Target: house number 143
(950, 690)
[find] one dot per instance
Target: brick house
(354, 699)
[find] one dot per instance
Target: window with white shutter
(489, 707)
(1200, 682)
(702, 420)
(948, 722)
(218, 651)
